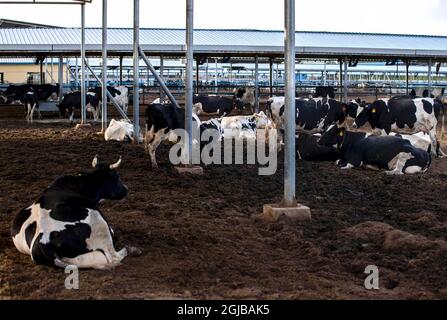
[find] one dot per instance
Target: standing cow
(215, 105)
(72, 101)
(246, 96)
(119, 93)
(65, 226)
(403, 115)
(31, 104)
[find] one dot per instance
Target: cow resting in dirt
(65, 226)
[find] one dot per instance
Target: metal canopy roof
(45, 1)
(209, 42)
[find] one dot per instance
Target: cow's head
(336, 113)
(110, 186)
(368, 114)
(333, 137)
(353, 108)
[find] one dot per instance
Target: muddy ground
(201, 236)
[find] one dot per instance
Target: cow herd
(65, 226)
(30, 95)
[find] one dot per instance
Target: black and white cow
(15, 93)
(247, 96)
(313, 115)
(119, 93)
(65, 226)
(72, 101)
(308, 149)
(437, 93)
(31, 104)
(403, 115)
(215, 105)
(161, 120)
(391, 153)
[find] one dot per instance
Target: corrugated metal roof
(224, 41)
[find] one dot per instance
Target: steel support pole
(121, 70)
(256, 84)
(407, 78)
(340, 80)
(189, 74)
(197, 75)
(161, 75)
(271, 77)
(216, 75)
(430, 78)
(289, 134)
(104, 67)
(325, 75)
(60, 77)
(77, 73)
(136, 70)
(83, 91)
(345, 81)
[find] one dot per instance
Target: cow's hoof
(134, 251)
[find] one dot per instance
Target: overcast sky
(382, 16)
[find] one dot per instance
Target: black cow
(403, 115)
(16, 93)
(31, 104)
(72, 101)
(161, 120)
(325, 92)
(309, 149)
(392, 153)
(247, 96)
(221, 105)
(65, 226)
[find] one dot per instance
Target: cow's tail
(443, 121)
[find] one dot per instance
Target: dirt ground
(201, 236)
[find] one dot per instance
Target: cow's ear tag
(341, 133)
(374, 110)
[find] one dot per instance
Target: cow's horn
(116, 165)
(95, 161)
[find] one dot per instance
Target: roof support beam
(104, 67)
(83, 90)
(189, 75)
(136, 70)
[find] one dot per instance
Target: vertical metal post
(136, 70)
(60, 77)
(77, 73)
(430, 77)
(197, 75)
(216, 74)
(51, 68)
(407, 80)
(345, 82)
(42, 75)
(256, 84)
(206, 72)
(325, 75)
(161, 75)
(340, 80)
(271, 77)
(289, 134)
(121, 70)
(83, 91)
(189, 73)
(104, 67)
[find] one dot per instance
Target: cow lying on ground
(309, 149)
(119, 93)
(404, 115)
(65, 226)
(391, 153)
(244, 127)
(121, 130)
(215, 105)
(31, 104)
(72, 101)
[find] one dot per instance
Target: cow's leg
(398, 163)
(72, 116)
(32, 113)
(94, 259)
(435, 146)
(152, 141)
(28, 114)
(40, 115)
